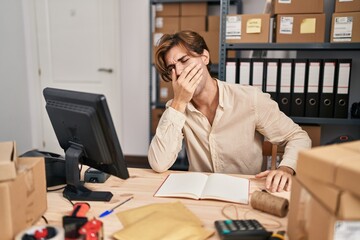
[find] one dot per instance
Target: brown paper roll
(269, 203)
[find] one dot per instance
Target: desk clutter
(161, 221)
(266, 202)
(325, 202)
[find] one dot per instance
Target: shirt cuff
(175, 117)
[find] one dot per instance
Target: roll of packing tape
(269, 203)
(55, 233)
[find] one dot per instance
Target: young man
(222, 124)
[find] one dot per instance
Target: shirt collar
(220, 86)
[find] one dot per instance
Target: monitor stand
(75, 189)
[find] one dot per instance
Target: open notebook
(198, 185)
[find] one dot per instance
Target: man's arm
(280, 129)
(167, 142)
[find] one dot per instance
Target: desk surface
(142, 184)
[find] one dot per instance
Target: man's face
(178, 58)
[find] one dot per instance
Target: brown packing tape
(269, 203)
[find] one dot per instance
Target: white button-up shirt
(233, 143)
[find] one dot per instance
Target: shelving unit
(337, 49)
(344, 48)
(181, 163)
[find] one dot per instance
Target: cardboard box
(194, 23)
(167, 24)
(167, 9)
(23, 200)
(333, 165)
(193, 9)
(7, 161)
(309, 219)
(213, 23)
(347, 6)
(327, 194)
(212, 41)
(345, 27)
(247, 28)
(300, 28)
(156, 114)
(297, 6)
(314, 133)
(165, 91)
(353, 146)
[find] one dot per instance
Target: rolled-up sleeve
(167, 142)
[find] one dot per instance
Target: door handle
(108, 70)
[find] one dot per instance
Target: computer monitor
(85, 130)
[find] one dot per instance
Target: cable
(274, 225)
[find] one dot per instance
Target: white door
(78, 42)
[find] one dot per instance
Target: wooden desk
(142, 184)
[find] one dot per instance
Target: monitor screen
(85, 130)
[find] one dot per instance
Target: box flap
(335, 164)
(7, 151)
(7, 161)
(348, 175)
(353, 146)
(327, 194)
(349, 208)
(321, 162)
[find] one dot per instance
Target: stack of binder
(298, 88)
(285, 86)
(313, 87)
(301, 87)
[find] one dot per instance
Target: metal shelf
(295, 46)
(326, 121)
(177, 1)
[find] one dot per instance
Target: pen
(107, 212)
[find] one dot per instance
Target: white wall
(18, 106)
(15, 122)
(135, 74)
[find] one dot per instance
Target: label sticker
(286, 25)
(343, 29)
(233, 27)
(345, 230)
(253, 25)
(308, 25)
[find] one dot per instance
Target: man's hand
(277, 180)
(185, 85)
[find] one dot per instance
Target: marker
(107, 212)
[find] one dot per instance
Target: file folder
(244, 71)
(231, 70)
(341, 103)
(313, 88)
(257, 73)
(326, 107)
(298, 88)
(271, 79)
(285, 75)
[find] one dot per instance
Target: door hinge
(39, 71)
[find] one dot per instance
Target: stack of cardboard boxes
(23, 197)
(325, 195)
(345, 25)
(248, 28)
(296, 21)
(299, 21)
(173, 17)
